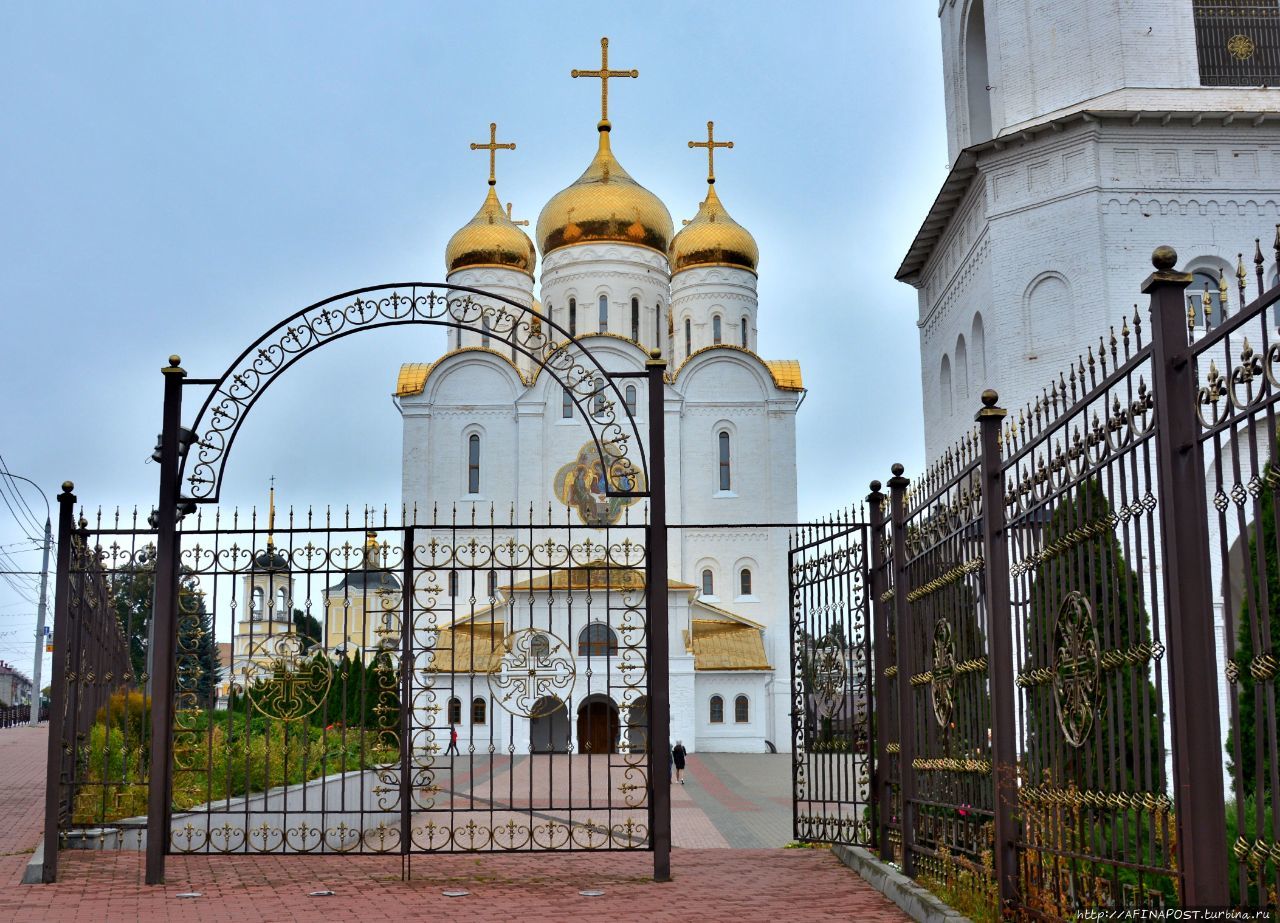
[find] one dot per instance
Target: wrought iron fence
(1076, 624)
(1238, 43)
(15, 715)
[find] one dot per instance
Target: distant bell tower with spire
(265, 606)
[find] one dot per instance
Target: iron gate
(831, 661)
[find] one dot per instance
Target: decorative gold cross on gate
(711, 144)
(604, 74)
(493, 147)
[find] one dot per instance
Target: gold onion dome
(712, 238)
(604, 204)
(490, 239)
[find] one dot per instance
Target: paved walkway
(728, 800)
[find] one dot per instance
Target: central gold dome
(490, 239)
(604, 204)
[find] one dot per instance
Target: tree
(132, 589)
(197, 662)
(307, 627)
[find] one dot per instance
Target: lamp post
(40, 606)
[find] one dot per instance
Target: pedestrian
(453, 741)
(677, 757)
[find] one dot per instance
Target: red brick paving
(710, 884)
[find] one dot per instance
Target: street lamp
(40, 608)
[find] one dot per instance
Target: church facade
(484, 429)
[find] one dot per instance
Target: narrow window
(453, 584)
(539, 649)
(631, 399)
(598, 402)
(741, 710)
(717, 710)
(282, 604)
(715, 330)
(724, 461)
(493, 584)
(473, 464)
(745, 330)
(635, 319)
(484, 337)
(1202, 281)
(604, 313)
(688, 337)
(566, 405)
(573, 317)
(455, 711)
(657, 326)
(708, 583)
(745, 581)
(478, 711)
(255, 607)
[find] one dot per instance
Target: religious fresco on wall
(581, 484)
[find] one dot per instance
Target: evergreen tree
(307, 628)
(132, 589)
(198, 669)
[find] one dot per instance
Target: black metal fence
(1078, 617)
(15, 715)
(1238, 43)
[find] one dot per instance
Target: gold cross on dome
(604, 74)
(711, 144)
(524, 222)
(493, 147)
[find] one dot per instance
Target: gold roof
(594, 575)
(721, 645)
(412, 378)
(470, 647)
(713, 238)
(604, 204)
(786, 373)
(491, 238)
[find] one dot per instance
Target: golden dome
(604, 204)
(712, 238)
(490, 239)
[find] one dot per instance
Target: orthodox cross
(493, 147)
(271, 513)
(523, 222)
(604, 74)
(711, 144)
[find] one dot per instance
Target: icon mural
(581, 485)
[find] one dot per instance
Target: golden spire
(604, 74)
(271, 514)
(523, 222)
(493, 147)
(711, 144)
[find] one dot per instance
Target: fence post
(164, 629)
(58, 713)
(658, 625)
(1199, 806)
(995, 576)
(906, 669)
(883, 803)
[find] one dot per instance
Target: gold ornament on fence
(284, 678)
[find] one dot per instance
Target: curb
(33, 871)
(917, 902)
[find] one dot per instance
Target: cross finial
(604, 74)
(493, 147)
(523, 222)
(711, 144)
(271, 514)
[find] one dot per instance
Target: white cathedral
(484, 429)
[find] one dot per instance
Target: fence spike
(1258, 261)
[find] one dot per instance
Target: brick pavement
(710, 883)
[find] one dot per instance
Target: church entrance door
(549, 728)
(598, 726)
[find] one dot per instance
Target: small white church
(484, 428)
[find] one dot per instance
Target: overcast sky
(178, 177)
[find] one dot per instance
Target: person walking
(453, 741)
(677, 757)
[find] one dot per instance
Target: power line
(13, 485)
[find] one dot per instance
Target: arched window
(598, 402)
(746, 328)
(717, 710)
(493, 583)
(1202, 280)
(473, 464)
(715, 330)
(944, 385)
(741, 710)
(539, 648)
(631, 399)
(978, 338)
(688, 337)
(255, 607)
(484, 337)
(455, 711)
(566, 405)
(744, 581)
(453, 584)
(976, 77)
(708, 583)
(635, 319)
(604, 313)
(657, 326)
(597, 640)
(725, 478)
(573, 317)
(478, 711)
(282, 604)
(962, 370)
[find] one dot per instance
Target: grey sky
(178, 177)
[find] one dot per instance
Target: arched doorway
(598, 725)
(637, 729)
(549, 729)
